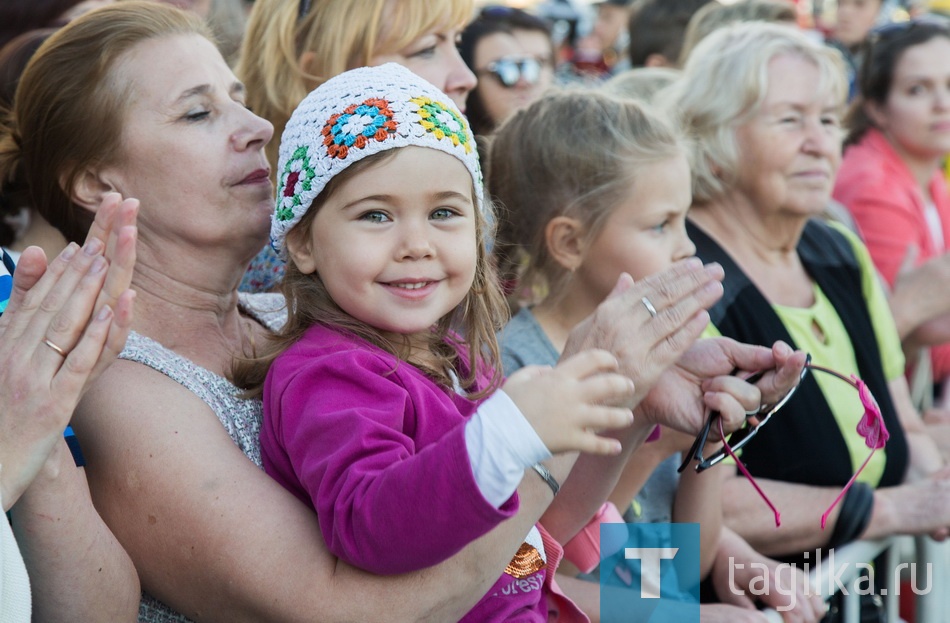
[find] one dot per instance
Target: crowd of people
(375, 310)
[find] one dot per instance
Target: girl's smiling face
(395, 244)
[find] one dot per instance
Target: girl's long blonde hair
(572, 153)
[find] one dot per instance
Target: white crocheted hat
(357, 114)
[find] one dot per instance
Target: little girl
(583, 206)
(376, 412)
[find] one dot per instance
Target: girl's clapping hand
(569, 403)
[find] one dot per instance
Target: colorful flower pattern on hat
(357, 125)
(442, 122)
(355, 115)
(295, 179)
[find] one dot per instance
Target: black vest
(802, 443)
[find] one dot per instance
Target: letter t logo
(650, 558)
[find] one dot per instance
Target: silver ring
(58, 350)
(650, 308)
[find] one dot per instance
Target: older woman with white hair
(764, 103)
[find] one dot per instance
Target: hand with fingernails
(709, 377)
(650, 323)
(568, 404)
(64, 324)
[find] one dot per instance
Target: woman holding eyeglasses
(890, 178)
(763, 103)
(512, 54)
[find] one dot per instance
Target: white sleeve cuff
(501, 444)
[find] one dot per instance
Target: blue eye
(443, 213)
(374, 216)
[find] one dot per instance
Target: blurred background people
(714, 15)
(891, 179)
(601, 51)
(656, 29)
(511, 53)
(854, 20)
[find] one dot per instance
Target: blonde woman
(291, 48)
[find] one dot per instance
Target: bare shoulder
(133, 398)
(136, 423)
(183, 499)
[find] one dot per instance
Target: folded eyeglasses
(870, 427)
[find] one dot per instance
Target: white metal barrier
(924, 556)
(932, 606)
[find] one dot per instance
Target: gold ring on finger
(56, 348)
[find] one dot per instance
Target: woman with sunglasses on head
(890, 177)
(763, 102)
(512, 54)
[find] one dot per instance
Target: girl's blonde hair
(480, 315)
(340, 34)
(572, 154)
(69, 109)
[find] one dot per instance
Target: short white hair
(725, 82)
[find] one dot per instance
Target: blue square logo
(649, 573)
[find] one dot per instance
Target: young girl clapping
(382, 407)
